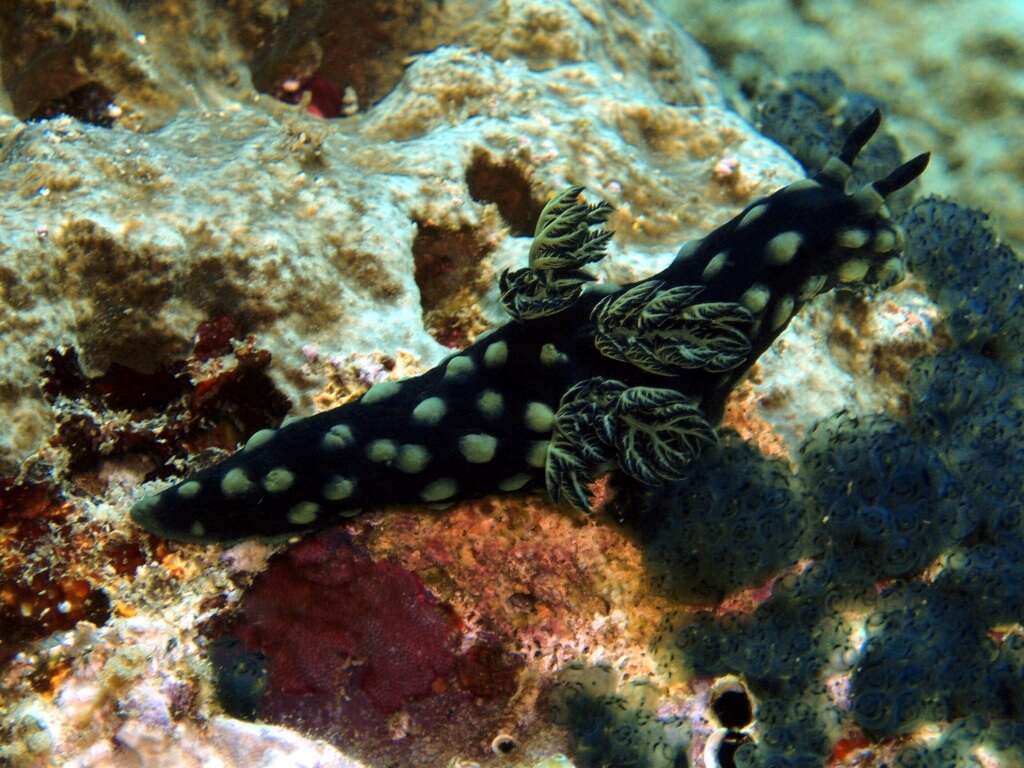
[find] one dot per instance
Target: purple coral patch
(360, 653)
(329, 619)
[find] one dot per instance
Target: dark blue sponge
(923, 661)
(969, 408)
(611, 723)
(240, 677)
(880, 494)
(812, 111)
(737, 519)
(976, 279)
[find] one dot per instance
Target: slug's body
(580, 381)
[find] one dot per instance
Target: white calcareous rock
(207, 196)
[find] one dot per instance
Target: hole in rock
(451, 275)
(732, 708)
(727, 749)
(91, 103)
(326, 48)
(505, 185)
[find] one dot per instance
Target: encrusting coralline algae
(265, 209)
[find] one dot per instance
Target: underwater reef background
(219, 214)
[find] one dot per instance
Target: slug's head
(785, 249)
(867, 244)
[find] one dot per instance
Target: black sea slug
(585, 377)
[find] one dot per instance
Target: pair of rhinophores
(585, 378)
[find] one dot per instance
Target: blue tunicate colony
(615, 724)
(898, 544)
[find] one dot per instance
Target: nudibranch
(585, 378)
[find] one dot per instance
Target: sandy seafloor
(214, 215)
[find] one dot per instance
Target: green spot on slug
(478, 448)
(278, 480)
(490, 403)
(259, 438)
(496, 354)
(189, 489)
(235, 483)
(303, 513)
(537, 453)
(439, 490)
(412, 458)
(459, 366)
(430, 411)
(539, 417)
(381, 450)
(382, 390)
(339, 488)
(514, 483)
(338, 436)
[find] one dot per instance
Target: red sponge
(330, 621)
